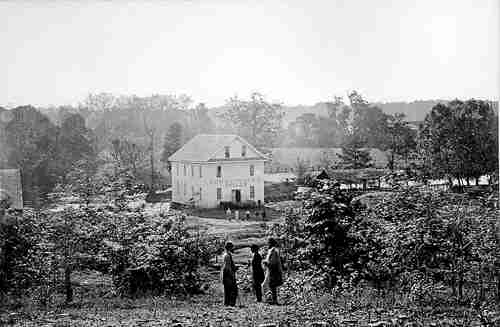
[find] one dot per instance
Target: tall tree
(460, 139)
(172, 142)
(74, 142)
(369, 122)
(30, 141)
(257, 120)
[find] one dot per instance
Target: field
(96, 303)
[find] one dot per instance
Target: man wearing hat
(228, 276)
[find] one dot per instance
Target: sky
(294, 52)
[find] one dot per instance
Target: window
(252, 192)
(177, 169)
(192, 191)
(185, 191)
(219, 193)
(252, 170)
(184, 169)
(192, 170)
(243, 150)
(200, 193)
(200, 172)
(226, 152)
(219, 171)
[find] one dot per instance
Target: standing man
(228, 276)
(275, 269)
(257, 272)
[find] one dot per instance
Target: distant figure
(228, 276)
(257, 272)
(247, 215)
(274, 271)
(237, 215)
(256, 215)
(264, 214)
(228, 213)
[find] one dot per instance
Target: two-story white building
(210, 169)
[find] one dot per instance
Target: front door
(236, 196)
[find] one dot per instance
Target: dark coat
(257, 270)
(275, 268)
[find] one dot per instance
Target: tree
(353, 156)
(172, 143)
(128, 155)
(74, 142)
(31, 145)
(257, 120)
(369, 122)
(306, 130)
(199, 121)
(460, 140)
(402, 139)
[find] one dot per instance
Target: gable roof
(202, 147)
(10, 185)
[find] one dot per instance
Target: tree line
(458, 139)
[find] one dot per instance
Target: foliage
(16, 241)
(369, 124)
(257, 120)
(128, 155)
(446, 238)
(156, 256)
(460, 139)
(417, 242)
(401, 138)
(329, 217)
(30, 144)
(353, 156)
(172, 142)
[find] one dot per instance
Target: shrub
(151, 256)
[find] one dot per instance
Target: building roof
(10, 185)
(202, 147)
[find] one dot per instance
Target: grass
(361, 307)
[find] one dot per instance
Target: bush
(17, 240)
(150, 256)
(413, 241)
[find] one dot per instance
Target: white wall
(235, 175)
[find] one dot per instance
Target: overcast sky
(296, 52)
